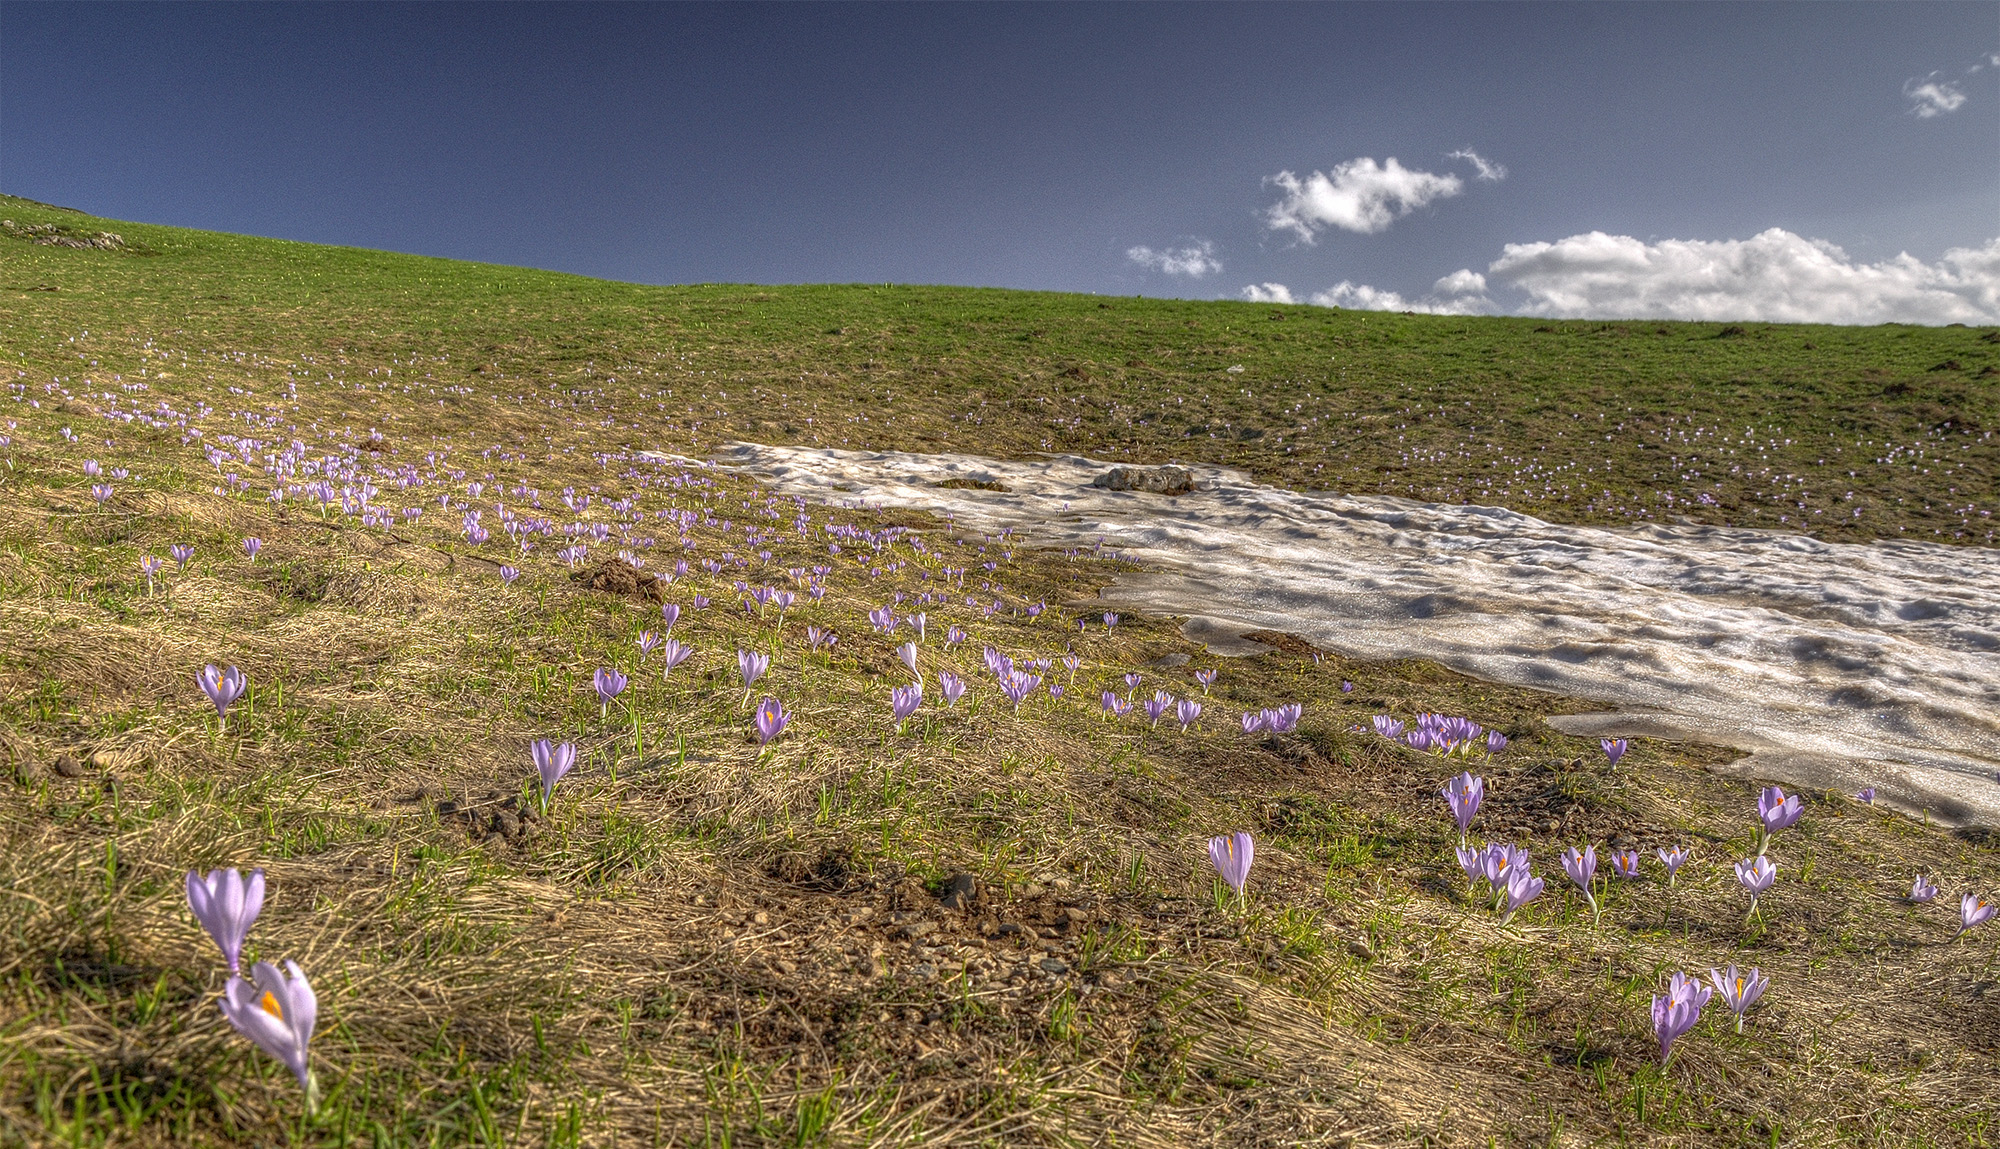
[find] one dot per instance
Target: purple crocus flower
(1739, 990)
(771, 719)
(670, 613)
(1776, 812)
(1495, 742)
(552, 761)
(1867, 795)
(226, 903)
(904, 700)
(251, 546)
(1253, 721)
(1206, 678)
(1231, 855)
(647, 641)
(1625, 863)
(954, 636)
(181, 552)
(673, 652)
(1582, 869)
(1464, 794)
(1017, 685)
(1187, 710)
(1673, 859)
(508, 574)
(1974, 910)
(751, 665)
(102, 492)
(1499, 864)
(908, 653)
(1132, 681)
(1114, 706)
(1473, 862)
(1347, 688)
(1387, 727)
(1158, 705)
(277, 1013)
(951, 686)
(1676, 1012)
(150, 567)
(223, 688)
(1522, 887)
(1110, 620)
(1756, 874)
(1614, 749)
(610, 684)
(1921, 890)
(1056, 690)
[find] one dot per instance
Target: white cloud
(1362, 297)
(1194, 260)
(1486, 168)
(1268, 293)
(1774, 276)
(1464, 281)
(1359, 195)
(1932, 97)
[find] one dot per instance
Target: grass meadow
(992, 923)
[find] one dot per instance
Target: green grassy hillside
(993, 923)
(1848, 433)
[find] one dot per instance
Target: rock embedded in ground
(1167, 480)
(960, 891)
(70, 766)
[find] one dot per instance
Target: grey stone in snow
(1168, 480)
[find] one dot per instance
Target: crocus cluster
(1276, 719)
(1505, 869)
(275, 1010)
(1676, 1011)
(1440, 734)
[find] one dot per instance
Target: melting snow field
(1831, 666)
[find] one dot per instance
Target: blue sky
(1188, 150)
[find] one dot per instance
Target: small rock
(1360, 951)
(506, 825)
(69, 766)
(1623, 841)
(914, 930)
(27, 770)
(1054, 966)
(960, 891)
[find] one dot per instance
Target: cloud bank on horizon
(1772, 277)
